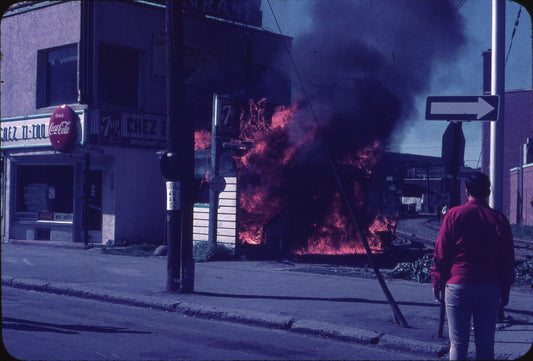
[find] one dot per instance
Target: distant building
(521, 188)
(412, 184)
(517, 147)
(106, 61)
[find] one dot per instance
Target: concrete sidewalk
(284, 295)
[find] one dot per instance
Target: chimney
(528, 152)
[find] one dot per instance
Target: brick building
(518, 128)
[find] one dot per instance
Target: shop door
(94, 208)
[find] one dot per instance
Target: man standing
(474, 266)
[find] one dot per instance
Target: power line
(293, 63)
(459, 4)
(512, 36)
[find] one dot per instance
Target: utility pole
(520, 186)
(428, 187)
(177, 164)
(497, 88)
(86, 197)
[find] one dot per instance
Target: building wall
(527, 208)
(518, 127)
(220, 57)
(136, 201)
(133, 26)
(226, 216)
(22, 35)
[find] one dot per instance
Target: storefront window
(45, 193)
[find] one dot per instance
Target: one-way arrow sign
(471, 107)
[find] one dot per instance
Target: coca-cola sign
(62, 128)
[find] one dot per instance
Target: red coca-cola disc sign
(62, 128)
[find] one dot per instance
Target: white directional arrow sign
(464, 108)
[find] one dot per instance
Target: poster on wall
(35, 195)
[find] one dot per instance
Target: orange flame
(202, 139)
(381, 231)
(334, 235)
(259, 203)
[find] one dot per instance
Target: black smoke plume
(365, 61)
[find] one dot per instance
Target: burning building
(358, 74)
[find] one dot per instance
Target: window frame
(44, 87)
(141, 55)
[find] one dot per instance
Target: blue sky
(462, 76)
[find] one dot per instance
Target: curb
(235, 315)
(403, 344)
(344, 333)
(270, 320)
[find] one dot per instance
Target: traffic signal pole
(497, 88)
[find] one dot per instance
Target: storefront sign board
(131, 129)
(32, 131)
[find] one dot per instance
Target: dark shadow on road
(520, 312)
(511, 321)
(9, 323)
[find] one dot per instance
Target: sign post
(225, 126)
(453, 153)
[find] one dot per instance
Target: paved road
(44, 326)
(422, 227)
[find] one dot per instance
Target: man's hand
(505, 296)
(438, 292)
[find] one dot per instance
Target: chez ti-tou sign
(43, 130)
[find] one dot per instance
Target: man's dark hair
(478, 185)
